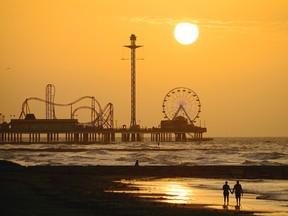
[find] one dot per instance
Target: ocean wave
(220, 151)
(97, 152)
(265, 155)
(269, 163)
(262, 163)
(121, 159)
(248, 162)
(201, 158)
(43, 155)
(277, 197)
(45, 150)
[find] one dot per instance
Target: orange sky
(238, 66)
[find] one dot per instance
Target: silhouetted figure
(238, 192)
(226, 189)
(137, 163)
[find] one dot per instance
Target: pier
(69, 131)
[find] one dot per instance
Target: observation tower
(133, 48)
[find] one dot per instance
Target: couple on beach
(238, 192)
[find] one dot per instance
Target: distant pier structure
(181, 108)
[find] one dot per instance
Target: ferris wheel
(183, 102)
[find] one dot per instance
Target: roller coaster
(100, 117)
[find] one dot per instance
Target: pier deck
(70, 131)
(98, 135)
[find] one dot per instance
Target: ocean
(248, 151)
(219, 151)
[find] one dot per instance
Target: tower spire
(133, 48)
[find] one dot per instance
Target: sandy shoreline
(76, 190)
(241, 172)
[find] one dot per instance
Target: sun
(186, 33)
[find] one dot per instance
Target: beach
(94, 190)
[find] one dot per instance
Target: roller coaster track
(93, 111)
(102, 118)
(106, 117)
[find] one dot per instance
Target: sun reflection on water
(178, 194)
(162, 191)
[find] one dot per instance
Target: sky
(238, 65)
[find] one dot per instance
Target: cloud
(243, 26)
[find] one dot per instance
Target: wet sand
(77, 190)
(207, 192)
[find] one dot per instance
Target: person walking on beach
(238, 192)
(226, 189)
(137, 163)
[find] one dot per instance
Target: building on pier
(32, 130)
(70, 131)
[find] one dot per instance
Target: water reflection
(162, 191)
(177, 193)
